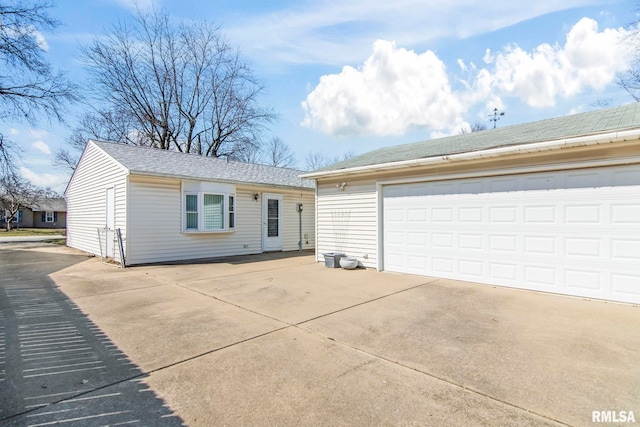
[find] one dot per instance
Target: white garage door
(570, 232)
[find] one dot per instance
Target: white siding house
(171, 206)
(550, 206)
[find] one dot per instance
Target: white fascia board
(585, 140)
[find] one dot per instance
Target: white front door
(110, 223)
(271, 222)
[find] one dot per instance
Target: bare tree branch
(177, 87)
(317, 160)
(29, 87)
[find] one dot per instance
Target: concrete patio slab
(298, 293)
(277, 341)
(292, 377)
(166, 324)
(559, 356)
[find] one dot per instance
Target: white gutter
(579, 141)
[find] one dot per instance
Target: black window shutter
(44, 216)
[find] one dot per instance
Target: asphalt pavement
(56, 366)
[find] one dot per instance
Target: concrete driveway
(275, 340)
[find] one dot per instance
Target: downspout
(299, 208)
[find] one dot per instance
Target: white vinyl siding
(291, 218)
(156, 235)
(347, 220)
(86, 199)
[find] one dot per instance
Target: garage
(551, 206)
(573, 232)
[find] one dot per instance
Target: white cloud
(395, 89)
(589, 60)
(41, 146)
(330, 32)
(56, 182)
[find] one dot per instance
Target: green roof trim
(576, 125)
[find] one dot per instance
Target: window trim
(46, 216)
(226, 212)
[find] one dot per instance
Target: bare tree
(629, 80)
(278, 153)
(602, 102)
(317, 160)
(476, 127)
(102, 125)
(16, 194)
(29, 86)
(174, 87)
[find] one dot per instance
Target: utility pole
(496, 116)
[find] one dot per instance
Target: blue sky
(353, 76)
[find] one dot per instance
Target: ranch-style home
(549, 206)
(156, 205)
(49, 212)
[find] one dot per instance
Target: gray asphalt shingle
(155, 162)
(590, 123)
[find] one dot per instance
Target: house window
(213, 212)
(17, 217)
(49, 217)
(206, 212)
(191, 211)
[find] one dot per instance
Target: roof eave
(586, 140)
(225, 181)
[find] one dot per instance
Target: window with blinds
(207, 212)
(213, 212)
(191, 211)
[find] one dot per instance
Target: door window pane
(273, 208)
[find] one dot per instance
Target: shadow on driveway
(56, 366)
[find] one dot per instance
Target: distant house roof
(155, 162)
(54, 204)
(590, 123)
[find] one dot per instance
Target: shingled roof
(155, 162)
(590, 123)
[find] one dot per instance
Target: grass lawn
(33, 232)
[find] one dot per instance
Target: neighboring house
(550, 206)
(171, 206)
(46, 213)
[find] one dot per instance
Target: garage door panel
(625, 285)
(471, 241)
(622, 213)
(582, 214)
(540, 277)
(540, 245)
(571, 232)
(590, 280)
(540, 214)
(582, 247)
(504, 272)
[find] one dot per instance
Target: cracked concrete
(276, 340)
